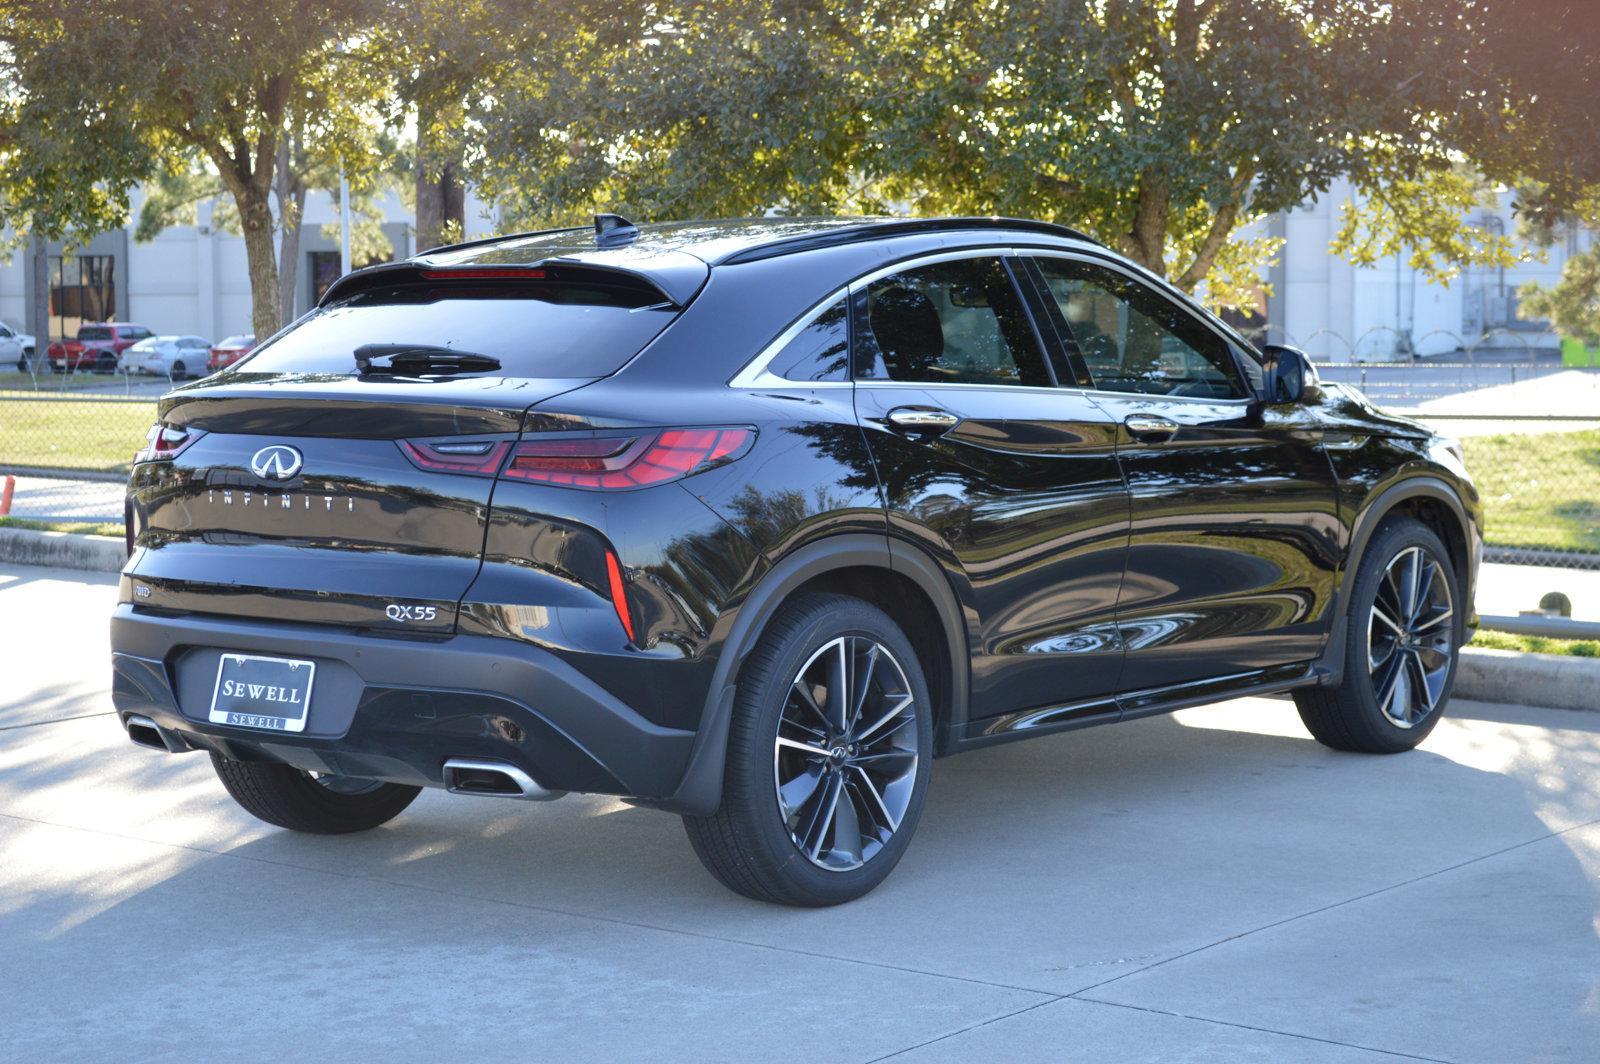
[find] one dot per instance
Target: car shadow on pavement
(1090, 862)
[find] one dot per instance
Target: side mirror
(1288, 375)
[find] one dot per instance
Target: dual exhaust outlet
(462, 775)
(493, 779)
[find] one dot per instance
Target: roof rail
(482, 240)
(895, 227)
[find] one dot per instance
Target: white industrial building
(1334, 310)
(192, 279)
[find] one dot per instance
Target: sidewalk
(53, 499)
(1507, 590)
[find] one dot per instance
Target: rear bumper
(396, 709)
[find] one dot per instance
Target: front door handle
(1150, 427)
(922, 420)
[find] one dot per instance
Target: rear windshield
(95, 332)
(555, 330)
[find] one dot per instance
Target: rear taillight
(477, 457)
(164, 442)
(616, 462)
(613, 462)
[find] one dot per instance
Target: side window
(821, 351)
(958, 322)
(1134, 339)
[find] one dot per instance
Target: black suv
(749, 521)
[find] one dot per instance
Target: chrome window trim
(755, 373)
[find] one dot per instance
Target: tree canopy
(1165, 128)
(1162, 128)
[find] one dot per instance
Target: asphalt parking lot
(1211, 886)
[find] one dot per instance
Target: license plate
(273, 694)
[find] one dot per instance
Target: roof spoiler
(546, 271)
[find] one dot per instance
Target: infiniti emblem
(278, 462)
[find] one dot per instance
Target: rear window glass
(556, 330)
(95, 332)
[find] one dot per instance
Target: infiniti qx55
(751, 521)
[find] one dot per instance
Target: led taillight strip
(592, 462)
(618, 463)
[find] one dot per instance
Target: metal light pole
(344, 221)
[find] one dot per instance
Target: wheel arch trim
(700, 790)
(1330, 666)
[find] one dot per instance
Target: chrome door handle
(922, 420)
(1150, 427)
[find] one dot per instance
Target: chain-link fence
(64, 457)
(1531, 438)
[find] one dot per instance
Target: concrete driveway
(1212, 886)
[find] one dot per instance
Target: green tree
(1572, 304)
(1162, 128)
(170, 81)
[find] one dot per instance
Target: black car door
(1011, 482)
(1235, 537)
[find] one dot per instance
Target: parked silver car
(175, 357)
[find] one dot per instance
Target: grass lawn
(87, 528)
(1539, 489)
(1534, 644)
(72, 434)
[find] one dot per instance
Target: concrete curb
(64, 550)
(1558, 681)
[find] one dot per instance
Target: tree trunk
(289, 255)
(40, 262)
(441, 198)
(291, 195)
(1147, 241)
(255, 218)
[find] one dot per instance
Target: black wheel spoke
(1411, 637)
(846, 743)
(793, 795)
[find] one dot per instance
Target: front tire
(321, 805)
(828, 758)
(1403, 633)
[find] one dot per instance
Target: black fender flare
(1330, 667)
(700, 791)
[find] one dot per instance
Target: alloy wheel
(845, 759)
(1410, 637)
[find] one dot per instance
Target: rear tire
(1401, 646)
(178, 371)
(817, 809)
(105, 363)
(289, 798)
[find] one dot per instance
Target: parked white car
(176, 357)
(15, 348)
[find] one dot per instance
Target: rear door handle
(1150, 427)
(922, 420)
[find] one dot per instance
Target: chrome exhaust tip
(493, 779)
(144, 731)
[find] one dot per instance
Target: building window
(82, 288)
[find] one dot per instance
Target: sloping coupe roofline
(822, 237)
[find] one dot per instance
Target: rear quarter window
(551, 330)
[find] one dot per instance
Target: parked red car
(231, 350)
(97, 346)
